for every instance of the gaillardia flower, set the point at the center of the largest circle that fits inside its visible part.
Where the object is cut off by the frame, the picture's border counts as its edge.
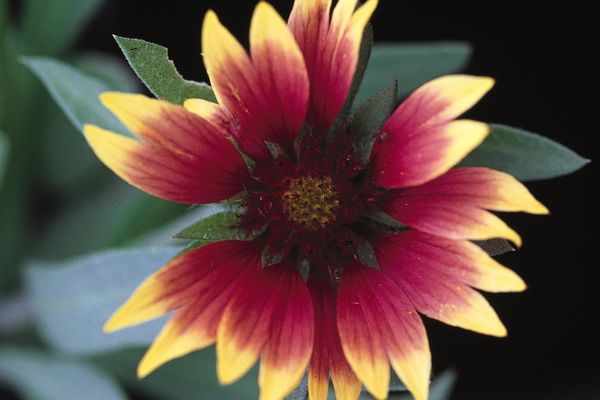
(319, 284)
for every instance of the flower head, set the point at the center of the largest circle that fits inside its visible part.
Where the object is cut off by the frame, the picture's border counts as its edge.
(338, 293)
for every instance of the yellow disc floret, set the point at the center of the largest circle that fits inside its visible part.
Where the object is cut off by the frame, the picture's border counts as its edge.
(310, 201)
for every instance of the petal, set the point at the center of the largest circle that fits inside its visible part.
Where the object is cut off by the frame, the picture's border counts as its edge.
(376, 323)
(331, 54)
(402, 158)
(254, 319)
(440, 100)
(328, 357)
(290, 344)
(449, 219)
(181, 157)
(439, 296)
(309, 23)
(478, 187)
(194, 326)
(459, 260)
(179, 281)
(268, 94)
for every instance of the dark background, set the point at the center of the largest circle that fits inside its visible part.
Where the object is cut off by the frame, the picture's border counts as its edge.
(541, 56)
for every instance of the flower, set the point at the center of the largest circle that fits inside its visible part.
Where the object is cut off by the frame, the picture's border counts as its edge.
(319, 284)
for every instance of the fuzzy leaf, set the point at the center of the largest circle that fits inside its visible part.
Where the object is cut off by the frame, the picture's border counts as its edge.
(75, 92)
(58, 136)
(220, 226)
(525, 155)
(369, 117)
(111, 70)
(412, 64)
(39, 376)
(70, 316)
(153, 66)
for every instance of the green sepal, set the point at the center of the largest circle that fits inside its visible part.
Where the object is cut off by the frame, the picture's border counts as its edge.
(219, 226)
(379, 220)
(368, 119)
(495, 247)
(525, 155)
(366, 254)
(152, 65)
(270, 257)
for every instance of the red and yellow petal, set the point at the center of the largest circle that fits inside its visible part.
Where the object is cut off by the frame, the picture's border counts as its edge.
(419, 142)
(458, 260)
(331, 50)
(377, 325)
(452, 220)
(435, 291)
(402, 159)
(479, 187)
(328, 358)
(267, 94)
(438, 101)
(263, 316)
(200, 276)
(181, 157)
(290, 343)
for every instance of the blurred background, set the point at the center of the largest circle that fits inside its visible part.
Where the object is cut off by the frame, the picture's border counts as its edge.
(58, 201)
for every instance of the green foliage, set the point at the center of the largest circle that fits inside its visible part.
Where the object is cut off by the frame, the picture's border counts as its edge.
(4, 148)
(368, 119)
(152, 65)
(192, 377)
(70, 316)
(75, 92)
(411, 64)
(39, 376)
(526, 156)
(50, 27)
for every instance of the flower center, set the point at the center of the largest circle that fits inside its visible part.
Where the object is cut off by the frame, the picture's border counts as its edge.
(310, 202)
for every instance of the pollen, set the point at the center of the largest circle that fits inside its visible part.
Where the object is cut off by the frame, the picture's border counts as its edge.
(310, 202)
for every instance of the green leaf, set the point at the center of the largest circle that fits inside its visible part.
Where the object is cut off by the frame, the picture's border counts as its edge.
(153, 66)
(109, 69)
(366, 254)
(495, 247)
(412, 64)
(114, 215)
(3, 156)
(70, 316)
(220, 226)
(49, 27)
(39, 376)
(526, 156)
(75, 92)
(192, 377)
(379, 220)
(368, 119)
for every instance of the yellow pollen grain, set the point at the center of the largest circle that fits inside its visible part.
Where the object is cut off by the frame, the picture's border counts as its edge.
(310, 201)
